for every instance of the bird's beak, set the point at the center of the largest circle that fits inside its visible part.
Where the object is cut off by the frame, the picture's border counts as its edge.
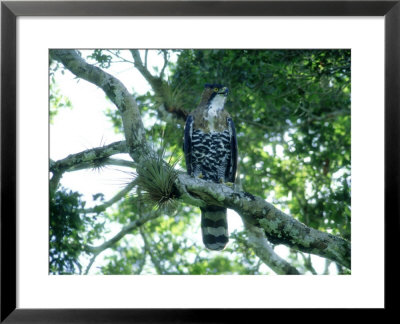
(224, 91)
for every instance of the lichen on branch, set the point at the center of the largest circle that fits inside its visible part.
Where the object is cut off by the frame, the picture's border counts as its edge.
(255, 211)
(118, 94)
(278, 226)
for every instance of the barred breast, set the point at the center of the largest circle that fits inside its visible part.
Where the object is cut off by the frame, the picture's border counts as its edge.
(210, 155)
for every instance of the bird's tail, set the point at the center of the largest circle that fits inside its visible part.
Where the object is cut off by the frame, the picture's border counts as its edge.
(214, 227)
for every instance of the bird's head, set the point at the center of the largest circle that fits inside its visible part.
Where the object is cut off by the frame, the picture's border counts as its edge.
(214, 92)
(216, 89)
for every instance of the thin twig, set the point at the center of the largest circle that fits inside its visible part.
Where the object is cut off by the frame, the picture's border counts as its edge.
(125, 230)
(124, 60)
(154, 260)
(165, 63)
(86, 159)
(91, 263)
(307, 263)
(146, 52)
(259, 243)
(113, 200)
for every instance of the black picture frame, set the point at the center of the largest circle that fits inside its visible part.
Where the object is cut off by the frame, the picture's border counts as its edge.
(11, 10)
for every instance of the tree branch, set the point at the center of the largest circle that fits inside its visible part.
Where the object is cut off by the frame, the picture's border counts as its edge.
(165, 53)
(91, 263)
(88, 158)
(258, 242)
(327, 264)
(279, 227)
(308, 264)
(54, 181)
(92, 158)
(113, 200)
(125, 230)
(155, 82)
(123, 163)
(123, 60)
(146, 52)
(148, 249)
(161, 89)
(118, 94)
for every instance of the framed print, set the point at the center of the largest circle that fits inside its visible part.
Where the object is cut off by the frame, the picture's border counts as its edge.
(296, 130)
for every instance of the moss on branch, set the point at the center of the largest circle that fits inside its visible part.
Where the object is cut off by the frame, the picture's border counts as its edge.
(278, 226)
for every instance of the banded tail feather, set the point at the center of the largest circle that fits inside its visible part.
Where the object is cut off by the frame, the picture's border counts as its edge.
(214, 227)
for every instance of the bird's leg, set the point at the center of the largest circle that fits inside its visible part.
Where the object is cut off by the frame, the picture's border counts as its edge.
(229, 184)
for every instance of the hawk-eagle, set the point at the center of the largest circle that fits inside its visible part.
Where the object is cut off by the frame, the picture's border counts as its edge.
(210, 148)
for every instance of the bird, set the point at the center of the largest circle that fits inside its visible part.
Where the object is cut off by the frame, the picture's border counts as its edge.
(211, 153)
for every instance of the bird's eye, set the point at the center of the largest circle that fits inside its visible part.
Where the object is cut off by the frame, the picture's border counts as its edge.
(216, 89)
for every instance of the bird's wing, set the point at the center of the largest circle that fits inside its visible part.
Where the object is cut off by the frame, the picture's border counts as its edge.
(232, 168)
(187, 143)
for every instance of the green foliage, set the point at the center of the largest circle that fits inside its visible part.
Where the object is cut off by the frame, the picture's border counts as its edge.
(156, 181)
(64, 234)
(56, 98)
(115, 117)
(292, 115)
(291, 109)
(127, 261)
(103, 60)
(69, 232)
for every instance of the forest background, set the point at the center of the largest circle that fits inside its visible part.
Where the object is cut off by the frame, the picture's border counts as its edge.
(292, 114)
